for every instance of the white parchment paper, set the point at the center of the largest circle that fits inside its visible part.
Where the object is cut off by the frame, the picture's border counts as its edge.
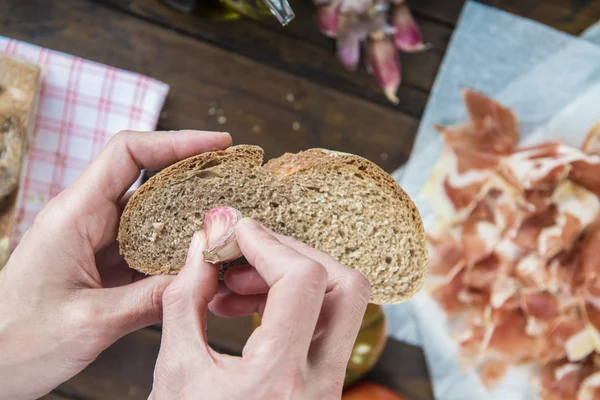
(552, 81)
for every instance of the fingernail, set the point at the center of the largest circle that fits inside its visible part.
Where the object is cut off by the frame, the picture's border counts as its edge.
(250, 224)
(196, 247)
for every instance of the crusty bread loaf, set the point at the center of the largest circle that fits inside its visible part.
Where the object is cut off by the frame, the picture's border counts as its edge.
(19, 90)
(341, 204)
(19, 84)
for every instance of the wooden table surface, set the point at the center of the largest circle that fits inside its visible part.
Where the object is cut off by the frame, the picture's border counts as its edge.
(250, 71)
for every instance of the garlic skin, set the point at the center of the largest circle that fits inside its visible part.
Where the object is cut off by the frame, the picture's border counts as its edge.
(348, 49)
(219, 227)
(407, 37)
(357, 24)
(384, 62)
(328, 19)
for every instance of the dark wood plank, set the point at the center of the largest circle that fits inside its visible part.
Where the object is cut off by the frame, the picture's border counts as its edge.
(571, 16)
(300, 48)
(124, 371)
(444, 11)
(56, 396)
(403, 367)
(228, 335)
(418, 70)
(252, 97)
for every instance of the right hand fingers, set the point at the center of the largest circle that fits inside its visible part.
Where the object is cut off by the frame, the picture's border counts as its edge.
(246, 280)
(346, 299)
(297, 288)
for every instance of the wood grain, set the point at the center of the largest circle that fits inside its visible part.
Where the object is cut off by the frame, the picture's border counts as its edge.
(301, 48)
(245, 72)
(55, 396)
(252, 98)
(124, 370)
(571, 16)
(403, 367)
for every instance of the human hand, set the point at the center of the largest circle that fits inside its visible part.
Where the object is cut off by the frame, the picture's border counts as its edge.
(311, 307)
(66, 294)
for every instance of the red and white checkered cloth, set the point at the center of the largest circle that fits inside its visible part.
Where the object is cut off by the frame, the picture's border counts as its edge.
(82, 104)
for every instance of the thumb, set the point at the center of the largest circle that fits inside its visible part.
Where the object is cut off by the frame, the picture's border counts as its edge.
(185, 301)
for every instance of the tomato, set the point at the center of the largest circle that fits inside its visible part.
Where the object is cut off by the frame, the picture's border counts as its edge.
(370, 391)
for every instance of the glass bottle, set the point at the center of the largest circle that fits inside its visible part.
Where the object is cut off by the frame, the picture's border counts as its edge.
(233, 9)
(368, 346)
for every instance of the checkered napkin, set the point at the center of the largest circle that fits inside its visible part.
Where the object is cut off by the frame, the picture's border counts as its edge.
(82, 105)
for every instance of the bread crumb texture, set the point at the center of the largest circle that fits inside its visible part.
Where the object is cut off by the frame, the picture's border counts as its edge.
(342, 204)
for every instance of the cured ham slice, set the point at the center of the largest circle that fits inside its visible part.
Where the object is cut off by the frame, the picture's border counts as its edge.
(479, 234)
(492, 371)
(518, 251)
(540, 305)
(552, 348)
(444, 253)
(491, 128)
(561, 381)
(576, 209)
(541, 167)
(590, 388)
(591, 145)
(482, 274)
(447, 293)
(531, 271)
(590, 263)
(528, 232)
(510, 339)
(587, 174)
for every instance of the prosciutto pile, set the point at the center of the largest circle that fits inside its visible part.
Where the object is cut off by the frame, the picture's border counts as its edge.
(515, 254)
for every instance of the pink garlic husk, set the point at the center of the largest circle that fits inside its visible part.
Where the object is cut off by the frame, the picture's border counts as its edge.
(407, 35)
(328, 19)
(348, 48)
(383, 60)
(219, 227)
(354, 31)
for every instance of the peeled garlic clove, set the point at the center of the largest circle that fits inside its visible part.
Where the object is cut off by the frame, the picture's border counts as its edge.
(219, 227)
(408, 35)
(382, 57)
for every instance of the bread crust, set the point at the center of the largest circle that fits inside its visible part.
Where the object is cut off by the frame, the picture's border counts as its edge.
(19, 89)
(286, 167)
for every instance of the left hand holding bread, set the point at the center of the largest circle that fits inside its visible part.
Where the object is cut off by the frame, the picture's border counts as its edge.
(66, 294)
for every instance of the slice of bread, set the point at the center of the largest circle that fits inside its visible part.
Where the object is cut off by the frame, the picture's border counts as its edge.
(341, 204)
(20, 84)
